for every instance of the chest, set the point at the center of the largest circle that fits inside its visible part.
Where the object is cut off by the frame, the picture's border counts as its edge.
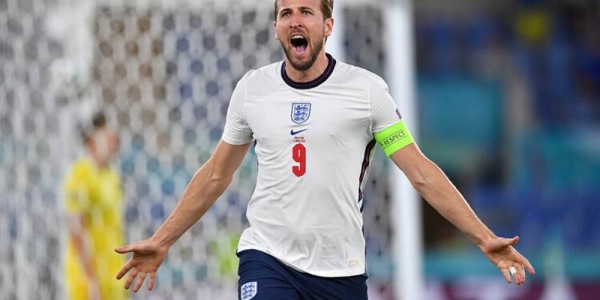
(105, 190)
(320, 116)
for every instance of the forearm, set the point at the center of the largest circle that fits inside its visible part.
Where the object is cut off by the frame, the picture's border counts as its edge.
(443, 196)
(200, 194)
(80, 244)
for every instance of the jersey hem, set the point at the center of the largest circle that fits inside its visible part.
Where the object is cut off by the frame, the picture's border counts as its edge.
(327, 274)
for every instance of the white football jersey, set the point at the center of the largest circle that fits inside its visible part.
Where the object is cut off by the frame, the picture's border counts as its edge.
(314, 143)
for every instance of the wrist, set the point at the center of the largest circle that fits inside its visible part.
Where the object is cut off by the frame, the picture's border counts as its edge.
(483, 238)
(161, 241)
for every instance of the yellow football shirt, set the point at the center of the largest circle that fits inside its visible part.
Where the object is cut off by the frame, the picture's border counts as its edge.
(95, 194)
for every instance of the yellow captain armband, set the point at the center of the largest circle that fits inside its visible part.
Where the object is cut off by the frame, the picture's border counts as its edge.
(394, 138)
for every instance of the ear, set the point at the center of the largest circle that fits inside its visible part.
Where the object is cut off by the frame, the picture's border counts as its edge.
(328, 27)
(275, 26)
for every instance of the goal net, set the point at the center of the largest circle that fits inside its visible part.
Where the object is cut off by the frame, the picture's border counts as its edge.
(163, 73)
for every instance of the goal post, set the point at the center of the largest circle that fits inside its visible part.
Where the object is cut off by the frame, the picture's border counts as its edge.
(407, 221)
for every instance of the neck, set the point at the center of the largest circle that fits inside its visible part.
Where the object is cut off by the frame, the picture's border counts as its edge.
(312, 73)
(97, 159)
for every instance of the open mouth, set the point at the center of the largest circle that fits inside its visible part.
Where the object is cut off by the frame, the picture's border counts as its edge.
(299, 43)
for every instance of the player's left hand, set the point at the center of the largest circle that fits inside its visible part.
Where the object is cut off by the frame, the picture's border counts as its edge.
(502, 253)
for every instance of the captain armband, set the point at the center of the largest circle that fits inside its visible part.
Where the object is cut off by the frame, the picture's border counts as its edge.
(394, 138)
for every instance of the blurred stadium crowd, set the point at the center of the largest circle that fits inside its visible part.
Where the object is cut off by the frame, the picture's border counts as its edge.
(509, 104)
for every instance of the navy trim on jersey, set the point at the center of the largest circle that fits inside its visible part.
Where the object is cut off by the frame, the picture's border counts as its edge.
(313, 83)
(365, 166)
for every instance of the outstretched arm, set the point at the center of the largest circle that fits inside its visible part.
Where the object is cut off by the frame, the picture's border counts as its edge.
(206, 186)
(209, 182)
(429, 180)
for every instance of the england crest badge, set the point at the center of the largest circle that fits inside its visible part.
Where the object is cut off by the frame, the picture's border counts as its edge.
(300, 112)
(248, 290)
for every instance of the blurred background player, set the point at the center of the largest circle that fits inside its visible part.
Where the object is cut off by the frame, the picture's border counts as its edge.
(94, 202)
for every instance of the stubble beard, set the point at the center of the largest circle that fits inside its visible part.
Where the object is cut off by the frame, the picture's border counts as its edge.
(304, 66)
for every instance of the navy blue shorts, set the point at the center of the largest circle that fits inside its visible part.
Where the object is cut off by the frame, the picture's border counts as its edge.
(262, 277)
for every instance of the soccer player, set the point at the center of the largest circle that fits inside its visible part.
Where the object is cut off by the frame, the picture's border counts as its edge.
(315, 123)
(93, 201)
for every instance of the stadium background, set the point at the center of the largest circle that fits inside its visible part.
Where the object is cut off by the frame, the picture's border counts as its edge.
(508, 96)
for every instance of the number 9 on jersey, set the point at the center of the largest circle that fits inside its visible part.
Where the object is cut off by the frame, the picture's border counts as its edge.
(299, 156)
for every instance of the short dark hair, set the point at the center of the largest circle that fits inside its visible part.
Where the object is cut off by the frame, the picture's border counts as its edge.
(326, 9)
(97, 122)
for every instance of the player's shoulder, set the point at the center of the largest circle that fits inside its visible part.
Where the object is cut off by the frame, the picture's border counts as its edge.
(81, 166)
(351, 73)
(262, 74)
(79, 171)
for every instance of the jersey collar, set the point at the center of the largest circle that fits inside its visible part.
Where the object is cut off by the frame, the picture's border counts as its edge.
(313, 83)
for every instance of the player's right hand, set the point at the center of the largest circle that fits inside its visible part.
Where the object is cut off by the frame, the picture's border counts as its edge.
(147, 257)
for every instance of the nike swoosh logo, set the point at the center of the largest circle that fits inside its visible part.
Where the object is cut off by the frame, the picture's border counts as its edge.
(292, 132)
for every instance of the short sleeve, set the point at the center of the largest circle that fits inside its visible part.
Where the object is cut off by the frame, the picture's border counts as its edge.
(388, 128)
(384, 112)
(76, 189)
(237, 131)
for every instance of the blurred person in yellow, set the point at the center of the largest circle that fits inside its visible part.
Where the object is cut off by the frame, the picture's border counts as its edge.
(94, 202)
